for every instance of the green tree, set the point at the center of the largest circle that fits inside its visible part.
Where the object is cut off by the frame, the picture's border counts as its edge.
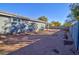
(74, 11)
(54, 23)
(67, 24)
(43, 18)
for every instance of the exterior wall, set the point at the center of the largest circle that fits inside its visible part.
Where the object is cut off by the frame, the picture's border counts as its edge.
(40, 26)
(74, 33)
(17, 25)
(3, 23)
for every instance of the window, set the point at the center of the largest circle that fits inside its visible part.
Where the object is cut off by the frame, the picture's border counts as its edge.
(18, 20)
(13, 23)
(14, 19)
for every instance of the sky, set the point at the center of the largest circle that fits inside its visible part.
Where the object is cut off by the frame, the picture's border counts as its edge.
(53, 11)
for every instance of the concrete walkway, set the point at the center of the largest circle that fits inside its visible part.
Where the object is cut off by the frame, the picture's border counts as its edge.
(47, 45)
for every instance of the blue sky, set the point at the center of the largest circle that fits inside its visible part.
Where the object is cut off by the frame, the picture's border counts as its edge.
(54, 11)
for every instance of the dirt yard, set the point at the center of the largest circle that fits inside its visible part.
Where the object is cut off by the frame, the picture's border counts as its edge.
(43, 43)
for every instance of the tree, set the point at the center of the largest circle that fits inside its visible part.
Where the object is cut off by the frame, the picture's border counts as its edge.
(43, 18)
(54, 23)
(67, 24)
(74, 11)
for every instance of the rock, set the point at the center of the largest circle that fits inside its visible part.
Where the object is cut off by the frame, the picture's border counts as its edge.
(11, 41)
(1, 42)
(24, 39)
(56, 51)
(3, 37)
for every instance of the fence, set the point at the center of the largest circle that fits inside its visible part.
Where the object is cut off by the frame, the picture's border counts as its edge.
(74, 30)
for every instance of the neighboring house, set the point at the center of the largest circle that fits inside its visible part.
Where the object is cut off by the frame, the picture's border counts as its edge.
(12, 23)
(74, 31)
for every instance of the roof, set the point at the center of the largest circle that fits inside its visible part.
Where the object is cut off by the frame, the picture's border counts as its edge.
(3, 13)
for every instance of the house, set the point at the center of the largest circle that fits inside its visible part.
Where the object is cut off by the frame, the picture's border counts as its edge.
(13, 23)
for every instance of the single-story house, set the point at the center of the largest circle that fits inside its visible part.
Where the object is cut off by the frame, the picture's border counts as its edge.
(13, 23)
